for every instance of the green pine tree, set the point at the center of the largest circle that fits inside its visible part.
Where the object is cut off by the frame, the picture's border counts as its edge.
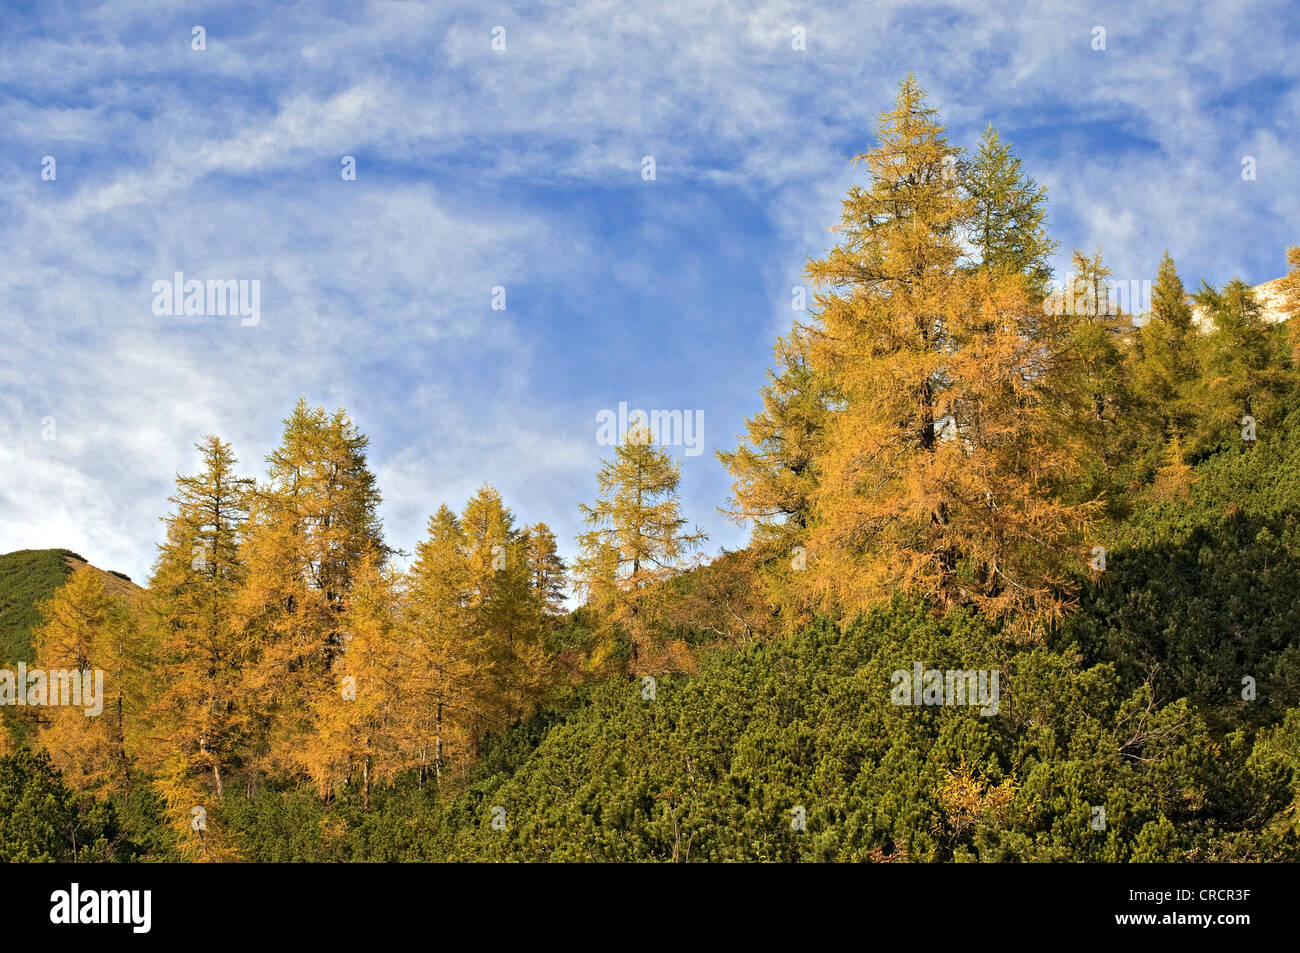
(1008, 219)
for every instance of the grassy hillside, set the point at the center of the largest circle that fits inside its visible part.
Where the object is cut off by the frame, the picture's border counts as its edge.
(29, 577)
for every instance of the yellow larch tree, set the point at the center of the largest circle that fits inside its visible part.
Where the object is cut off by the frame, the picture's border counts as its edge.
(452, 669)
(637, 541)
(942, 443)
(85, 629)
(310, 529)
(357, 731)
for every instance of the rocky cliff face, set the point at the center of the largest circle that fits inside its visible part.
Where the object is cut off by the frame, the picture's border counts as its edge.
(1269, 295)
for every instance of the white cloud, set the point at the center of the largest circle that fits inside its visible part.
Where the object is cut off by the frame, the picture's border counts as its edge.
(225, 163)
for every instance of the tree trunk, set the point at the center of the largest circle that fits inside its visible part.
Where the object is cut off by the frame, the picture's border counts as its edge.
(437, 744)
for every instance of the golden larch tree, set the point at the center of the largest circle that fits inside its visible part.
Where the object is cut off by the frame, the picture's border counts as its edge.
(85, 629)
(942, 445)
(638, 539)
(310, 529)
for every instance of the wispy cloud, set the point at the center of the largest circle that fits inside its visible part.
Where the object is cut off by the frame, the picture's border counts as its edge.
(522, 168)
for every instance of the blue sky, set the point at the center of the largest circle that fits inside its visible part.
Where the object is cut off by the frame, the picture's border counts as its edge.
(522, 168)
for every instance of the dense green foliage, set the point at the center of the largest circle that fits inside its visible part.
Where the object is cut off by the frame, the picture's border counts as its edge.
(41, 819)
(713, 766)
(711, 769)
(1199, 594)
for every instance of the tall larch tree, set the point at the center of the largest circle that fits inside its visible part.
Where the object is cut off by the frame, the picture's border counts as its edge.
(84, 628)
(546, 570)
(1008, 214)
(775, 474)
(936, 471)
(1102, 404)
(310, 528)
(358, 731)
(1164, 356)
(638, 538)
(504, 610)
(452, 673)
(196, 721)
(196, 578)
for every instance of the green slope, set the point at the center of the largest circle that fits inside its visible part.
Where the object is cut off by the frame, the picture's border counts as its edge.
(716, 767)
(27, 578)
